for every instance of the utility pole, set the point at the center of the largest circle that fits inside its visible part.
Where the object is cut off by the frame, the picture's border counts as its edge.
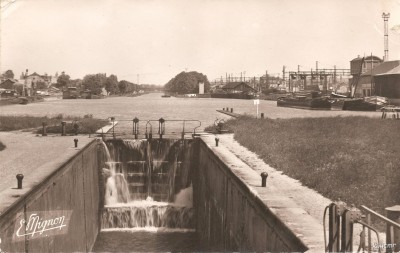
(284, 74)
(334, 74)
(386, 36)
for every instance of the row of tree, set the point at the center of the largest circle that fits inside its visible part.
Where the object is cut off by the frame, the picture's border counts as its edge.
(187, 82)
(93, 82)
(97, 82)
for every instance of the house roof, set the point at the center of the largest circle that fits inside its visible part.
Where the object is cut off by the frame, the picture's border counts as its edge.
(382, 68)
(367, 58)
(10, 80)
(233, 85)
(34, 74)
(394, 71)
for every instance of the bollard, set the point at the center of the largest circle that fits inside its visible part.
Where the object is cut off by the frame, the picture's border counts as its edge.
(76, 143)
(63, 132)
(223, 109)
(227, 109)
(231, 110)
(19, 178)
(264, 176)
(216, 142)
(44, 133)
(393, 234)
(113, 126)
(262, 115)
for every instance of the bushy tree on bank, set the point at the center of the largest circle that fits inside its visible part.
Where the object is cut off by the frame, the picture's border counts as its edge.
(127, 87)
(8, 74)
(63, 80)
(95, 83)
(187, 82)
(112, 84)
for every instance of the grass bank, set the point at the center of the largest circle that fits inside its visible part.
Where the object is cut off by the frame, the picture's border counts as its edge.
(83, 125)
(352, 158)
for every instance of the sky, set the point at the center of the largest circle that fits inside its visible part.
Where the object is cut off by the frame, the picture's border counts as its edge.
(151, 41)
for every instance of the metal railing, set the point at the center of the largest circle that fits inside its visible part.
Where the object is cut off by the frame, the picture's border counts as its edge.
(341, 223)
(148, 134)
(390, 228)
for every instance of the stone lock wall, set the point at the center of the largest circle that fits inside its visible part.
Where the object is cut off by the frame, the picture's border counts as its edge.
(73, 186)
(230, 217)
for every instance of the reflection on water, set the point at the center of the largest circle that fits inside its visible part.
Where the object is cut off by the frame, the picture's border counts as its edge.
(145, 241)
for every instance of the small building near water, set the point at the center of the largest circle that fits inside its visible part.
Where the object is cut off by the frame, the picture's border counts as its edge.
(238, 87)
(366, 85)
(388, 85)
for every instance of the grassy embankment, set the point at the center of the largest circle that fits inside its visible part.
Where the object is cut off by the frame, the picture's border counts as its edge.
(85, 125)
(352, 158)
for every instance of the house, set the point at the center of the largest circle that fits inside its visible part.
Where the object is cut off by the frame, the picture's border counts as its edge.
(238, 87)
(388, 85)
(10, 84)
(366, 83)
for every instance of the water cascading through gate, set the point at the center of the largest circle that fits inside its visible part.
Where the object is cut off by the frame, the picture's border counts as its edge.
(147, 185)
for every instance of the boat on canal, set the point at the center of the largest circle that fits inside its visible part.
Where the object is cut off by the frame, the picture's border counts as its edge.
(305, 100)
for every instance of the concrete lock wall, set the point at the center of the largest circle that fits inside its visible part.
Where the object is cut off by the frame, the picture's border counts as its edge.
(74, 186)
(232, 218)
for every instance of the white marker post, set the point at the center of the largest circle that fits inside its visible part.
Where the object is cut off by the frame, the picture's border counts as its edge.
(256, 103)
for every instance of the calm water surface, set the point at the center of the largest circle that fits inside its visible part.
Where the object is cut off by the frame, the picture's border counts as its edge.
(153, 106)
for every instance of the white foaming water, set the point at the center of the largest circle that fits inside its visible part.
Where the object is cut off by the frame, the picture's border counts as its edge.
(108, 156)
(139, 203)
(184, 197)
(117, 190)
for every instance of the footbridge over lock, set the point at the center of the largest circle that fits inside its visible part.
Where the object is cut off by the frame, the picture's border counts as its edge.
(166, 182)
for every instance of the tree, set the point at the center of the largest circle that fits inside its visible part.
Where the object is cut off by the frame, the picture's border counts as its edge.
(112, 84)
(123, 86)
(63, 80)
(187, 82)
(9, 74)
(95, 83)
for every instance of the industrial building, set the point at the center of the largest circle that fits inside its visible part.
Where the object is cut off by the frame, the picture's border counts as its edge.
(366, 85)
(388, 84)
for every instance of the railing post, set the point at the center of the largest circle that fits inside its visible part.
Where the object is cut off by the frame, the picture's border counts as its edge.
(63, 131)
(136, 127)
(369, 232)
(392, 234)
(161, 127)
(113, 126)
(44, 133)
(334, 232)
(347, 232)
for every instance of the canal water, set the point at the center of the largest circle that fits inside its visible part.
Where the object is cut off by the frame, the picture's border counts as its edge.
(150, 236)
(153, 106)
(148, 197)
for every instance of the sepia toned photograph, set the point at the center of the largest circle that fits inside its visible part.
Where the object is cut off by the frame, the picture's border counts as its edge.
(199, 126)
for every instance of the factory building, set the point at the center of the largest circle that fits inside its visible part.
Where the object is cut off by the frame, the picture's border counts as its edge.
(388, 85)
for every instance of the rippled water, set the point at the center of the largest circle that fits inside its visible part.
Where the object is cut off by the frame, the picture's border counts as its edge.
(146, 241)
